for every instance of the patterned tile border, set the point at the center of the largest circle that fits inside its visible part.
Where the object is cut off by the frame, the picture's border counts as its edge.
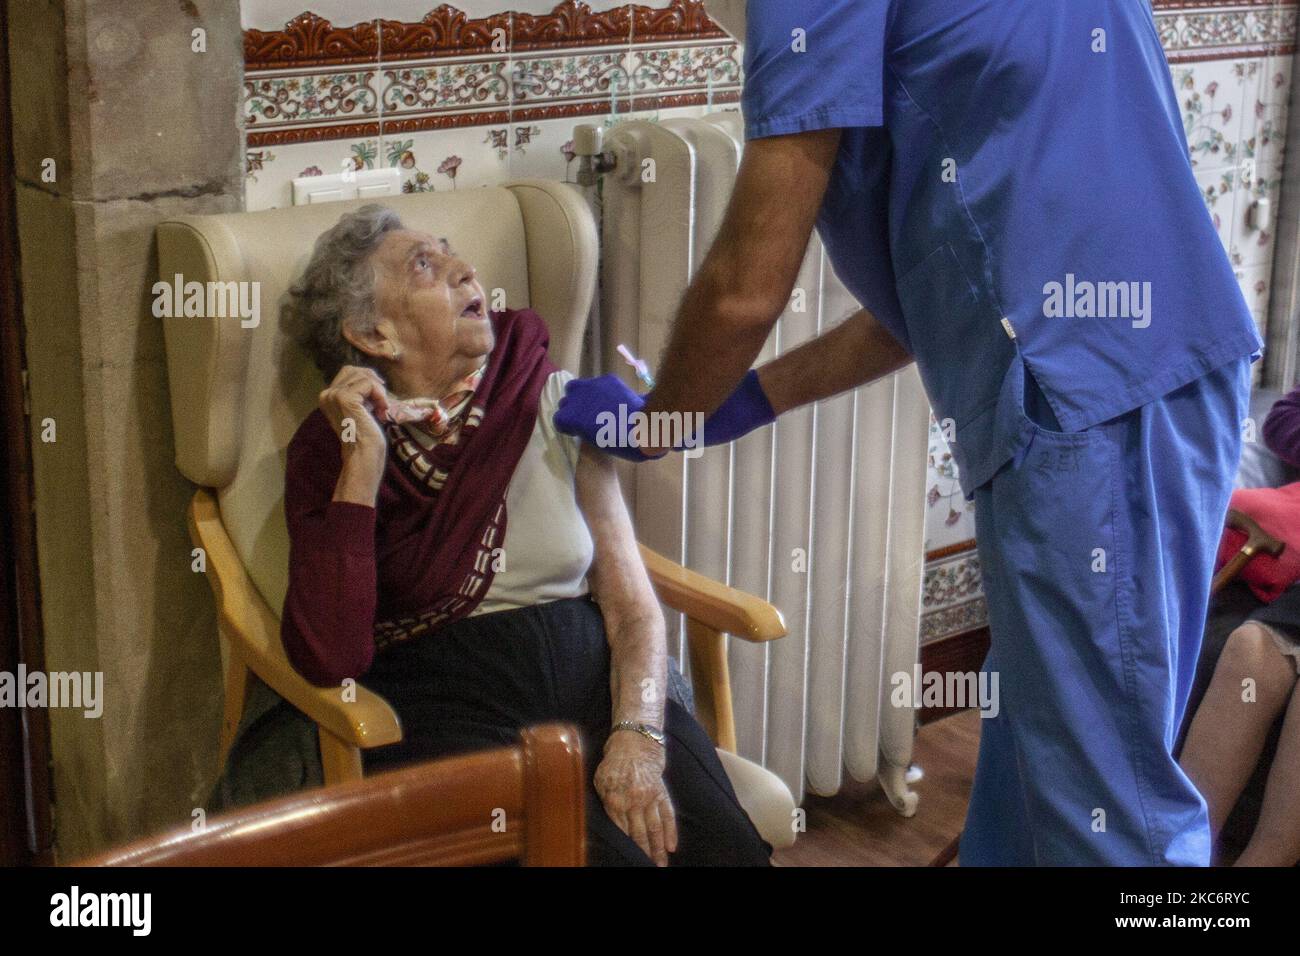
(309, 82)
(313, 81)
(1212, 4)
(1188, 29)
(447, 31)
(311, 41)
(1206, 30)
(952, 597)
(299, 106)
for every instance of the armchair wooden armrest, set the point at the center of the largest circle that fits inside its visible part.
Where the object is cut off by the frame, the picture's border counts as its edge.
(253, 632)
(712, 611)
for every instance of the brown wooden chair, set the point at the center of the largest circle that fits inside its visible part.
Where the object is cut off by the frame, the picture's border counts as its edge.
(515, 803)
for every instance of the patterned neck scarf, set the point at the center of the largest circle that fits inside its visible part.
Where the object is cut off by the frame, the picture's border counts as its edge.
(418, 425)
(439, 418)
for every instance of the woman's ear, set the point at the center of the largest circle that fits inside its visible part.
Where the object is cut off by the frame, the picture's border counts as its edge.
(379, 341)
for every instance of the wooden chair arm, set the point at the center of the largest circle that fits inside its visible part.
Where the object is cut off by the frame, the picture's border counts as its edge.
(254, 632)
(712, 603)
(712, 611)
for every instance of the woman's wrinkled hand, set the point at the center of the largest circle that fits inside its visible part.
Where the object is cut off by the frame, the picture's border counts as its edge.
(355, 402)
(630, 782)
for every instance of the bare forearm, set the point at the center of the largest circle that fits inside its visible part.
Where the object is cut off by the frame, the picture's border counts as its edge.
(638, 671)
(857, 351)
(745, 280)
(634, 624)
(360, 478)
(709, 352)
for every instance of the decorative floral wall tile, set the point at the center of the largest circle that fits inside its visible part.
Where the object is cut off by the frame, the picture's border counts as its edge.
(950, 519)
(270, 170)
(1219, 190)
(545, 83)
(1212, 97)
(430, 89)
(446, 159)
(671, 74)
(278, 101)
(542, 150)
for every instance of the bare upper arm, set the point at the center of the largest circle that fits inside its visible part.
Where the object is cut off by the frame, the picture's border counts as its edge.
(618, 577)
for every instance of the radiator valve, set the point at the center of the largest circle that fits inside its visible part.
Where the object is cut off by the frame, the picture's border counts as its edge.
(593, 160)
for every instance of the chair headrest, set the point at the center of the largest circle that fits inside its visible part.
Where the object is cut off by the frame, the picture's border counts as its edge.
(239, 390)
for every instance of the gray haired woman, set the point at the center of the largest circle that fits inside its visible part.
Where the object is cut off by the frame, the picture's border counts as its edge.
(469, 563)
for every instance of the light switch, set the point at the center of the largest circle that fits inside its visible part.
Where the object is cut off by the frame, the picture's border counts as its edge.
(358, 184)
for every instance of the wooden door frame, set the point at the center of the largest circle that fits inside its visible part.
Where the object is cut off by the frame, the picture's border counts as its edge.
(26, 830)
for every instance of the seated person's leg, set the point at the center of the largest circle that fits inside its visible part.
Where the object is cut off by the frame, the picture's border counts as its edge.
(1227, 734)
(472, 686)
(1276, 840)
(713, 829)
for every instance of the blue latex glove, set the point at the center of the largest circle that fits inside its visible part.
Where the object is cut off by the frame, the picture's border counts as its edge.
(744, 410)
(590, 411)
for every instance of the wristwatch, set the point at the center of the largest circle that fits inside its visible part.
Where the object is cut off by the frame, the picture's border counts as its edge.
(645, 730)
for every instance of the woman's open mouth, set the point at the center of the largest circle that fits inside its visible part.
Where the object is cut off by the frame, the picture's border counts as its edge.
(474, 309)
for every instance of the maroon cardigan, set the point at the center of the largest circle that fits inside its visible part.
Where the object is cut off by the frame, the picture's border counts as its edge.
(358, 573)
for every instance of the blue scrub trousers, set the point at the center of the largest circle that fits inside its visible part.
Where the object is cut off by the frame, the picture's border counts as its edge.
(1097, 549)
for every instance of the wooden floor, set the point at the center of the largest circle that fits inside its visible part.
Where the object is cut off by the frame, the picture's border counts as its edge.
(859, 827)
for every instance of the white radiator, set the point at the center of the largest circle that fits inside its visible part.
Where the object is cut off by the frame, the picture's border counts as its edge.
(841, 483)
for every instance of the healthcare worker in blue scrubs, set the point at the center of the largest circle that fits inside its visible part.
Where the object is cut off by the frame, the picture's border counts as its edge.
(1004, 185)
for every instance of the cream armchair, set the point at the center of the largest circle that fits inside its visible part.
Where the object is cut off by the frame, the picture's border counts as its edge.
(240, 387)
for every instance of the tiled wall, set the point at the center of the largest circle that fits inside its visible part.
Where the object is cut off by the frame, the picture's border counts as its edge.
(464, 97)
(459, 97)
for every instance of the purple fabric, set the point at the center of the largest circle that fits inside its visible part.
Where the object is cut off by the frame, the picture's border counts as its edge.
(1281, 431)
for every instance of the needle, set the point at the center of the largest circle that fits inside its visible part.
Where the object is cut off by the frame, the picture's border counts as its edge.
(638, 365)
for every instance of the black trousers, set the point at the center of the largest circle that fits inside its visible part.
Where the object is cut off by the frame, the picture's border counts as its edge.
(476, 683)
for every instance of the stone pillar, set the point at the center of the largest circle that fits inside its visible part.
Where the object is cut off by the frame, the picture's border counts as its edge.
(139, 127)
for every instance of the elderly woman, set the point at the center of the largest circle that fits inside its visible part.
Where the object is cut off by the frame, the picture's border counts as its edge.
(469, 563)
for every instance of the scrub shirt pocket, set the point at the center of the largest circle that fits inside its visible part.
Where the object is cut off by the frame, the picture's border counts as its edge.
(1058, 494)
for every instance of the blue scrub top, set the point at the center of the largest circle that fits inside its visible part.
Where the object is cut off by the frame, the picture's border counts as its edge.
(1013, 184)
